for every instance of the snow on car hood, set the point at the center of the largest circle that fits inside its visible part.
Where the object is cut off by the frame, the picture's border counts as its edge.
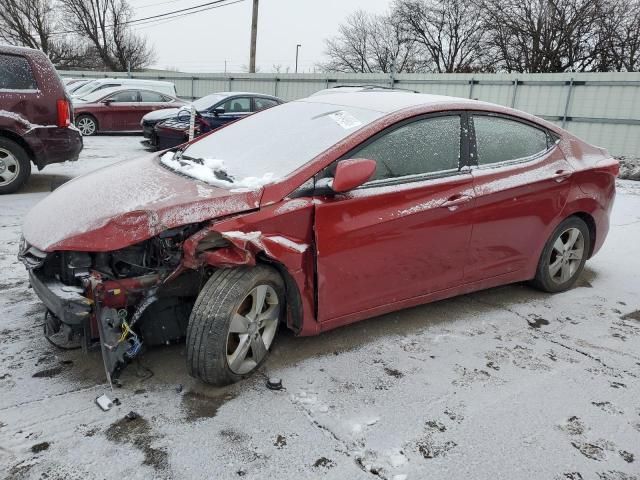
(124, 204)
(162, 114)
(213, 172)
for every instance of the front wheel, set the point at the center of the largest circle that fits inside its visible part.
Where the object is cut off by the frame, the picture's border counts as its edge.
(233, 323)
(564, 256)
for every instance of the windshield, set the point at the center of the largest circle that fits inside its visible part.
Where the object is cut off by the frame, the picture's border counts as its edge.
(207, 101)
(86, 88)
(269, 145)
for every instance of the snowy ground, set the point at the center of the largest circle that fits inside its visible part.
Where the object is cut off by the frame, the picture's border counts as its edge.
(506, 383)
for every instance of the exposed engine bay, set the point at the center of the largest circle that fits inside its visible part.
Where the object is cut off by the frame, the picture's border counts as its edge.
(122, 300)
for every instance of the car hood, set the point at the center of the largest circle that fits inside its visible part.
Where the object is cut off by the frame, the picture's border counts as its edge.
(124, 204)
(162, 114)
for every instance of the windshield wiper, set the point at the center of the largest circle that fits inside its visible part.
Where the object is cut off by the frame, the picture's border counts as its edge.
(219, 173)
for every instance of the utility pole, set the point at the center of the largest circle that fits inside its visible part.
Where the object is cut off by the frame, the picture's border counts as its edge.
(254, 35)
(297, 49)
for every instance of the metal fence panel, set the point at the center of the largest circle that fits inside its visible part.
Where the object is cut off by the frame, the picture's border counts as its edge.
(602, 108)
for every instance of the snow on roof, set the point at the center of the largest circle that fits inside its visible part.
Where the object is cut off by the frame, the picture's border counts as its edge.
(385, 102)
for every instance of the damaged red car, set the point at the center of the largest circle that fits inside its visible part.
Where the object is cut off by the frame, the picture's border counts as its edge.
(309, 216)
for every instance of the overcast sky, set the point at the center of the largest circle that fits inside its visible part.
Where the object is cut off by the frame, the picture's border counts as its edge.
(202, 42)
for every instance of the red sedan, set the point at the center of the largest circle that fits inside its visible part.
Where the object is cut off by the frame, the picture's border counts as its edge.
(312, 215)
(118, 109)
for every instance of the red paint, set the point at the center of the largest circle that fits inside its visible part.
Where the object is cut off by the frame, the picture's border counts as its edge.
(122, 116)
(39, 119)
(352, 173)
(364, 252)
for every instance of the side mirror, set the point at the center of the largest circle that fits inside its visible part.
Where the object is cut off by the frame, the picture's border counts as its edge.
(218, 111)
(184, 115)
(352, 173)
(107, 102)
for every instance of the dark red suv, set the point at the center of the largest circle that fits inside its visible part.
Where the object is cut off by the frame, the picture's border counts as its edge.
(36, 117)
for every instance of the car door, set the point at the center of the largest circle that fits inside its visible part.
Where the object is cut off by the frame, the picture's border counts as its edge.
(122, 111)
(404, 233)
(150, 101)
(521, 183)
(234, 108)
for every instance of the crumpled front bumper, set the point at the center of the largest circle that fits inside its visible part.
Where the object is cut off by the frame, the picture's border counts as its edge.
(65, 302)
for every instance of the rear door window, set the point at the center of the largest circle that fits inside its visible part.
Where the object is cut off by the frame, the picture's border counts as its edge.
(264, 103)
(16, 73)
(147, 96)
(500, 139)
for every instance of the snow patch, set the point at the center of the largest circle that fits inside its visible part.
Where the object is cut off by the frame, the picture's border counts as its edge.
(299, 247)
(213, 172)
(246, 236)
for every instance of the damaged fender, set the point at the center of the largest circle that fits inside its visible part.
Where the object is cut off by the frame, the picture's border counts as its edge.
(232, 248)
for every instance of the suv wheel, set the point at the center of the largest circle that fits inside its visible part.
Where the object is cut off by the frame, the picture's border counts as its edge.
(87, 125)
(15, 166)
(233, 323)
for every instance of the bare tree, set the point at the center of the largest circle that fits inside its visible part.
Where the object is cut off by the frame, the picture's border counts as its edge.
(543, 35)
(618, 31)
(368, 43)
(105, 24)
(450, 32)
(32, 23)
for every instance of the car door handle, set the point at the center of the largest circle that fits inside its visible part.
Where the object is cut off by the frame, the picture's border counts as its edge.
(561, 175)
(452, 203)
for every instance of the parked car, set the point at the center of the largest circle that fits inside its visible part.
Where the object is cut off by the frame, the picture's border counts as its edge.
(213, 111)
(166, 88)
(36, 117)
(118, 109)
(75, 84)
(315, 214)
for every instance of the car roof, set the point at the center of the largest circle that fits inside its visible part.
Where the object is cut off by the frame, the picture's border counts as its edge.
(253, 94)
(124, 88)
(386, 101)
(11, 49)
(360, 88)
(132, 81)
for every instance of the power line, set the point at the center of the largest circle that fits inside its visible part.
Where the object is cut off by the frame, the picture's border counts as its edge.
(163, 16)
(160, 21)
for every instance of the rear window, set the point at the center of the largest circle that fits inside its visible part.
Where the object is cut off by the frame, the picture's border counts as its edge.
(500, 139)
(151, 96)
(16, 74)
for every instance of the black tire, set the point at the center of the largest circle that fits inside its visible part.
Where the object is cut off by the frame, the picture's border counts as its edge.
(544, 280)
(15, 166)
(223, 295)
(90, 120)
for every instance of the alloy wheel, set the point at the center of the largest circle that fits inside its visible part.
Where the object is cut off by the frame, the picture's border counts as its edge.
(252, 329)
(86, 126)
(566, 255)
(9, 167)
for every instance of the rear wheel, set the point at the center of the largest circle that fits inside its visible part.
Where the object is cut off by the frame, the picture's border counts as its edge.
(564, 256)
(15, 166)
(87, 125)
(233, 323)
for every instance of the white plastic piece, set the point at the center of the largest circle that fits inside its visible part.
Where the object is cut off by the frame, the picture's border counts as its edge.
(104, 402)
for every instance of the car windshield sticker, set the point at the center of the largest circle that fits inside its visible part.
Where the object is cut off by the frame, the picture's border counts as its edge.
(345, 119)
